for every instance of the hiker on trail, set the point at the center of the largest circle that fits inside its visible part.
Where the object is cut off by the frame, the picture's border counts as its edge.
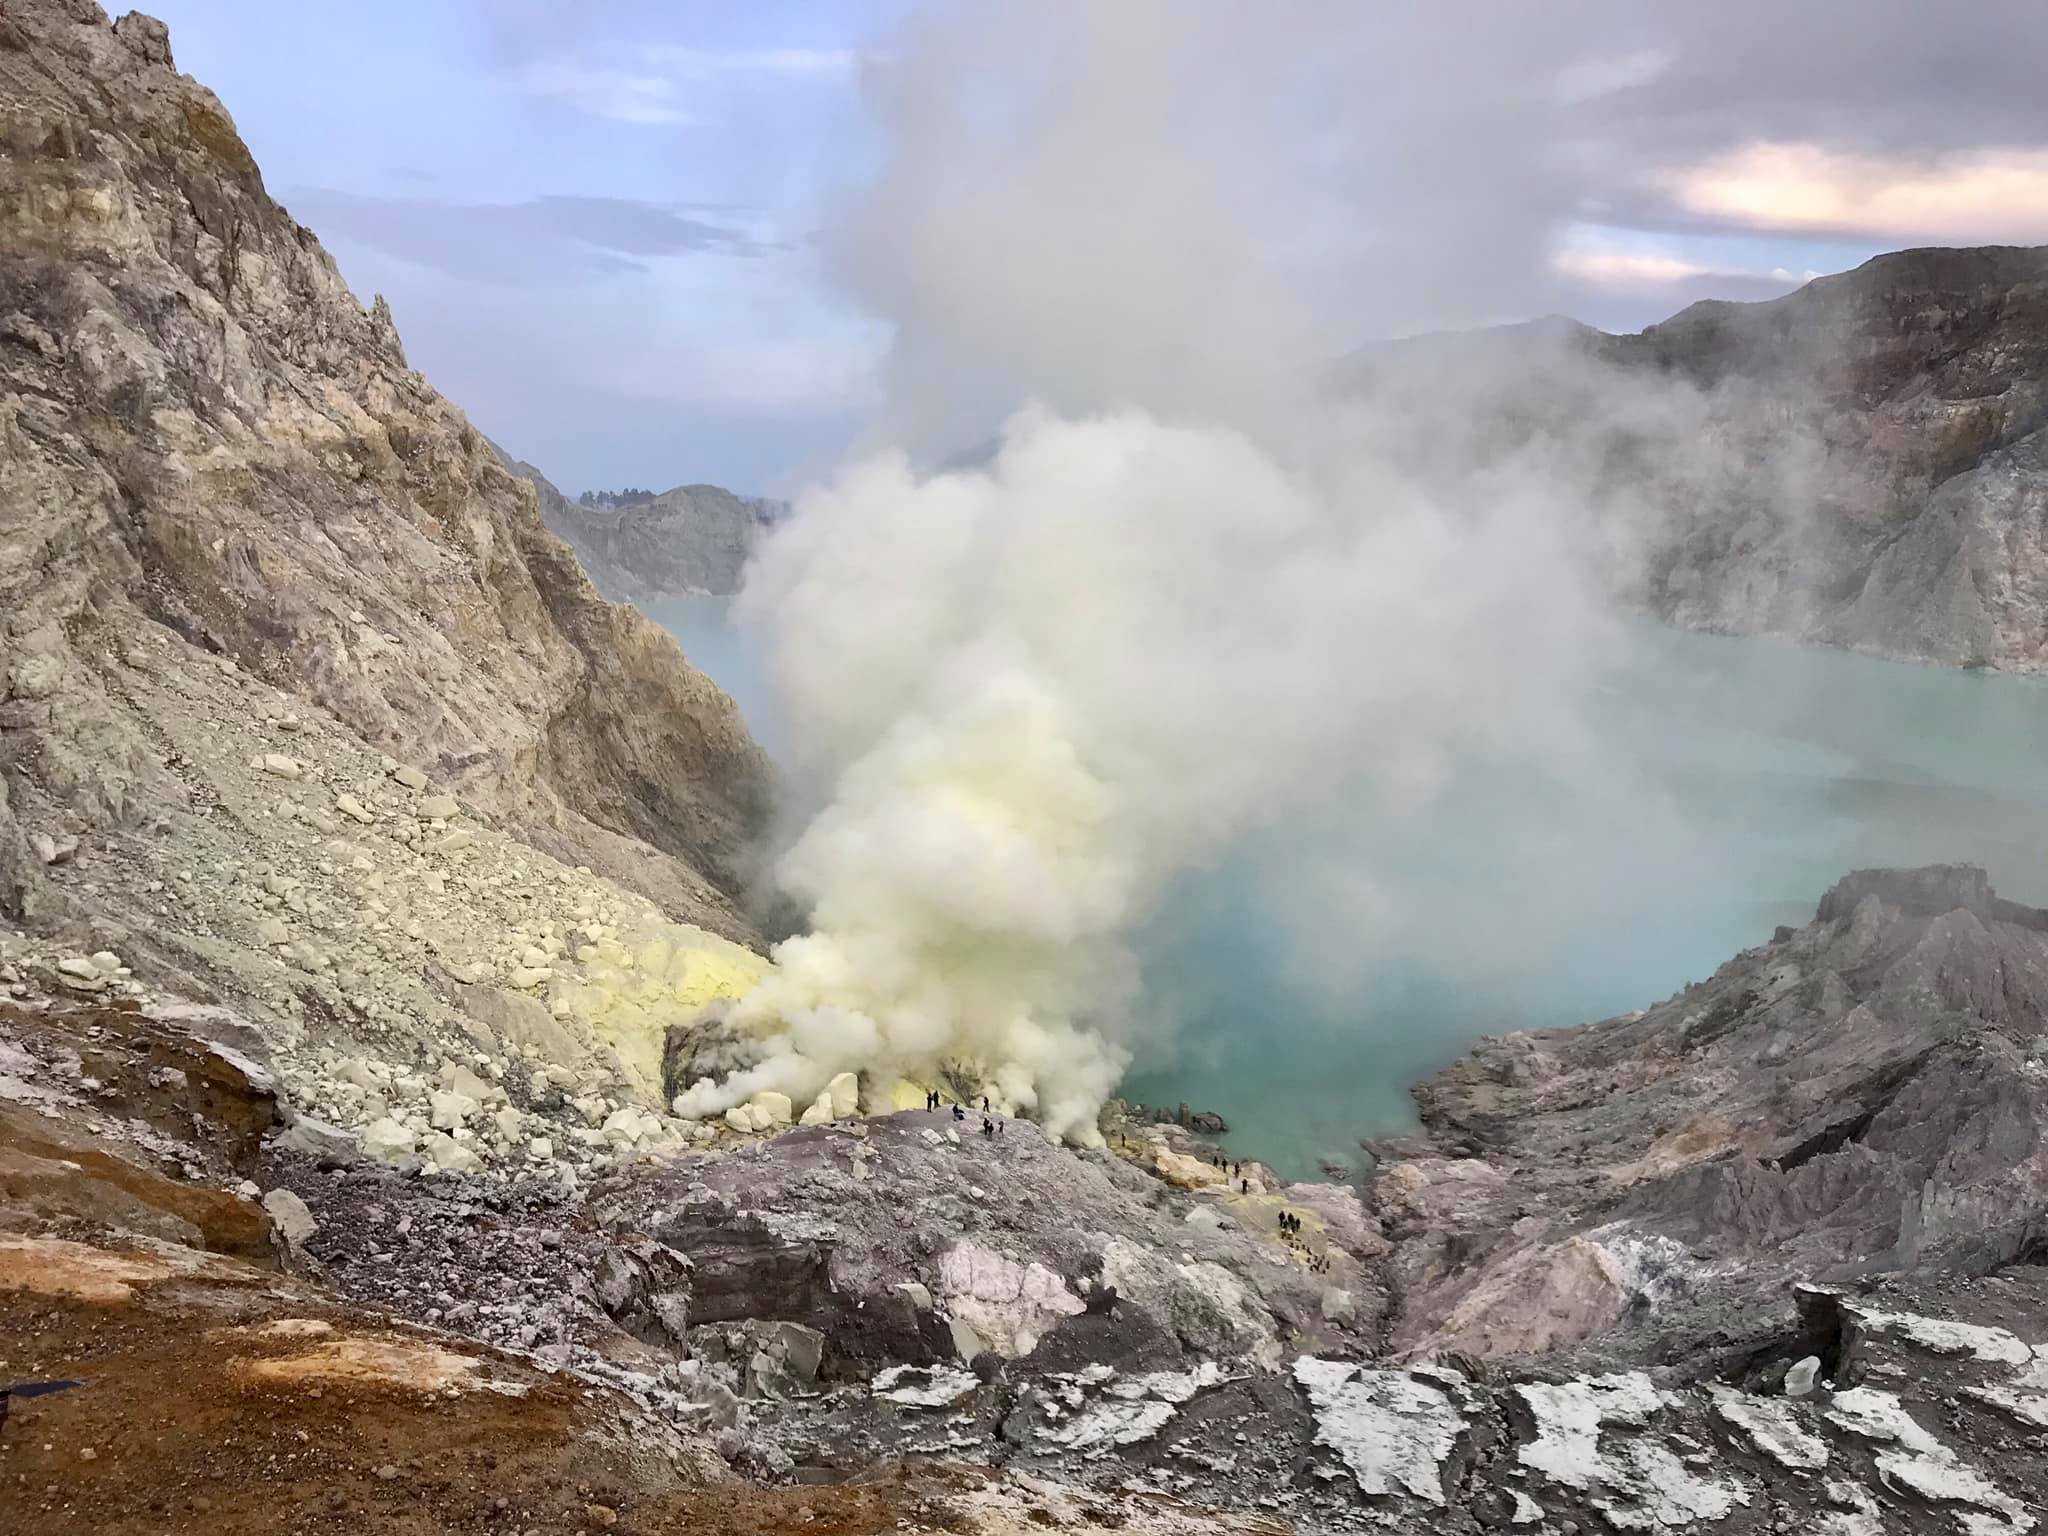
(984, 1103)
(1244, 1186)
(959, 1113)
(1237, 1170)
(988, 1126)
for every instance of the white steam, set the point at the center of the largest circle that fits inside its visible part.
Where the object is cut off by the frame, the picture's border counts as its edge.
(1041, 689)
(1186, 597)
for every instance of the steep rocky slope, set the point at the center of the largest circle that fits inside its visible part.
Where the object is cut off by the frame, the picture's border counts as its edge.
(692, 539)
(207, 444)
(1917, 531)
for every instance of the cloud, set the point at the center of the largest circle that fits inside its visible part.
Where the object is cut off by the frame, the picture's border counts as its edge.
(1610, 260)
(550, 241)
(666, 84)
(638, 381)
(618, 94)
(1988, 196)
(1625, 269)
(1599, 75)
(787, 63)
(825, 372)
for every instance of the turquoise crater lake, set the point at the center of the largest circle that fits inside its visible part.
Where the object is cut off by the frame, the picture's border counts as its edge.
(1756, 773)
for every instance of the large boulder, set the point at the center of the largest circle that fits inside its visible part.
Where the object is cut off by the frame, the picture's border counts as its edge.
(644, 1286)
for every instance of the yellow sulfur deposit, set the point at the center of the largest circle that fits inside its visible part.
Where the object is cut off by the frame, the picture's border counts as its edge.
(631, 992)
(904, 1094)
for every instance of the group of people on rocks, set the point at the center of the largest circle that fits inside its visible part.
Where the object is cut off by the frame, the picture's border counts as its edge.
(1290, 1234)
(1290, 1224)
(990, 1125)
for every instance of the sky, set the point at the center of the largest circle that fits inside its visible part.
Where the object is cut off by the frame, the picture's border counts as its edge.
(618, 233)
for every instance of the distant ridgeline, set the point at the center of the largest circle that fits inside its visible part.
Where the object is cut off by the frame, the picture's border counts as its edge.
(640, 545)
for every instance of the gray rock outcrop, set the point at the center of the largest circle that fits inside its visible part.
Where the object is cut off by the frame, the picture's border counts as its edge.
(1862, 1097)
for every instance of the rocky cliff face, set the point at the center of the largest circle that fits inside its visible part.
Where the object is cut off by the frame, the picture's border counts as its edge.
(210, 452)
(693, 539)
(1921, 381)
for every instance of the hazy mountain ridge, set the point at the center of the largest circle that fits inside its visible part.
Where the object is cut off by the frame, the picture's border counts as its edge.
(1923, 375)
(683, 541)
(1861, 463)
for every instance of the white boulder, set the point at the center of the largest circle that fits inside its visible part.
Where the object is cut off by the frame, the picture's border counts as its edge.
(460, 1079)
(771, 1108)
(845, 1092)
(387, 1139)
(629, 1124)
(291, 1219)
(447, 1154)
(448, 1110)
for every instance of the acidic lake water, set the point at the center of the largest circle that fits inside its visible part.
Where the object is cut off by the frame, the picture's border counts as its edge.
(1746, 777)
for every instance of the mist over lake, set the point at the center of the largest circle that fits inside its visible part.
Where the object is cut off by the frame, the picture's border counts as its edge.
(1755, 774)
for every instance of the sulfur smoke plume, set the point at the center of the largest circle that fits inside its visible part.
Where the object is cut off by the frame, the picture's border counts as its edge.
(1191, 590)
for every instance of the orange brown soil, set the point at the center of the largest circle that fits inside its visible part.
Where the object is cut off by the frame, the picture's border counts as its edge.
(240, 1402)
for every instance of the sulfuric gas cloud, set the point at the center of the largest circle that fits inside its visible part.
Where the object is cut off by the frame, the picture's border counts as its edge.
(1127, 573)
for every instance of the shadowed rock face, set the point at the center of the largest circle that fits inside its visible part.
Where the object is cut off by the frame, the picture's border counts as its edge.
(203, 434)
(1862, 1097)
